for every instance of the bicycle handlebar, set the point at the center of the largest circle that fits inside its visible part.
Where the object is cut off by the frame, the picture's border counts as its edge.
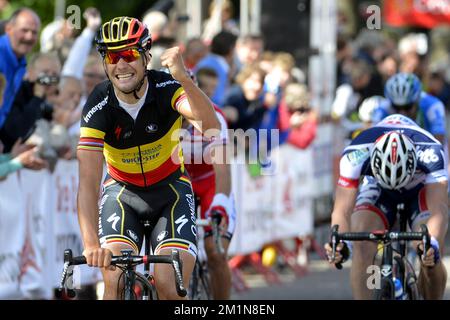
(130, 261)
(214, 223)
(385, 236)
(216, 218)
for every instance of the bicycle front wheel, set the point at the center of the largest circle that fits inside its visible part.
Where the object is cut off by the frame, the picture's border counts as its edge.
(147, 290)
(386, 291)
(199, 288)
(143, 289)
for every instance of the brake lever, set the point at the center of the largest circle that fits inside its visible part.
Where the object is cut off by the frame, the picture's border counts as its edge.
(334, 241)
(425, 239)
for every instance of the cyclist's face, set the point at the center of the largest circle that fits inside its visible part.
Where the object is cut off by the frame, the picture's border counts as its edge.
(126, 75)
(410, 112)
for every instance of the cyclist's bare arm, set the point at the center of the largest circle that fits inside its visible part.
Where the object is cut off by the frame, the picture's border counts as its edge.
(437, 202)
(221, 164)
(90, 175)
(222, 171)
(197, 109)
(343, 207)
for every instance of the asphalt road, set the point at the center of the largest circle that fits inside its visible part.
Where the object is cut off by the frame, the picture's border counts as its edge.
(320, 283)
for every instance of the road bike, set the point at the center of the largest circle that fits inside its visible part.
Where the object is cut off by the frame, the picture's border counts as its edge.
(394, 261)
(199, 286)
(137, 286)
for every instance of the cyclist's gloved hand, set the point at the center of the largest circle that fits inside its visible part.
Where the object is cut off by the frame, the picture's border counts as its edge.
(432, 257)
(219, 205)
(343, 252)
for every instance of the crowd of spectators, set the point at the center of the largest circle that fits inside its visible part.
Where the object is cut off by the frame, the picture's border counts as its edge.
(45, 87)
(367, 60)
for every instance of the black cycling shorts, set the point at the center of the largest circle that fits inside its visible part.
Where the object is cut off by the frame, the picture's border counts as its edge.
(373, 198)
(169, 206)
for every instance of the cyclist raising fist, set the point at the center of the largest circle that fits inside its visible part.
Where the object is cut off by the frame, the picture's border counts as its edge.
(131, 121)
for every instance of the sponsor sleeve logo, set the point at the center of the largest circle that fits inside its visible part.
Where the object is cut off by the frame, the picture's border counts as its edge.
(98, 106)
(348, 183)
(357, 157)
(166, 83)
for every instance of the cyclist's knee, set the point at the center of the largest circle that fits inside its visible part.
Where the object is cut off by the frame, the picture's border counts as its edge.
(365, 221)
(111, 278)
(164, 276)
(215, 259)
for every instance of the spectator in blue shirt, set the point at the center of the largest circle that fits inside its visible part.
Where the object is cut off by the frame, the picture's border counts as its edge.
(21, 35)
(220, 60)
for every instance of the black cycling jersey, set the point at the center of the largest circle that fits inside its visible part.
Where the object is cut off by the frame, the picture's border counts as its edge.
(138, 152)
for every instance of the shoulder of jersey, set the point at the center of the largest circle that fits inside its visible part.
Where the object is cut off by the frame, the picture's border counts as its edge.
(162, 79)
(220, 112)
(427, 100)
(97, 99)
(102, 87)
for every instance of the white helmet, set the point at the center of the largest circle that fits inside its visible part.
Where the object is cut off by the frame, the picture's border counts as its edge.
(393, 160)
(369, 105)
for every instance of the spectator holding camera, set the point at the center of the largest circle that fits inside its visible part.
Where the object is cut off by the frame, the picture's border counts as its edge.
(34, 100)
(297, 120)
(21, 36)
(21, 155)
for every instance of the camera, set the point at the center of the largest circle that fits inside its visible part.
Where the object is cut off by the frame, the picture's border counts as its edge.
(46, 111)
(47, 80)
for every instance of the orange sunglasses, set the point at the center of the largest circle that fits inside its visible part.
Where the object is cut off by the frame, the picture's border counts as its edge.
(129, 55)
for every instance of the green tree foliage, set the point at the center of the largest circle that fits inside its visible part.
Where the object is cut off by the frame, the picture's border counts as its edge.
(109, 9)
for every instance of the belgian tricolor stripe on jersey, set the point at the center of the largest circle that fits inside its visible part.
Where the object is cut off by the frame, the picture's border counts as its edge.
(178, 98)
(140, 165)
(91, 139)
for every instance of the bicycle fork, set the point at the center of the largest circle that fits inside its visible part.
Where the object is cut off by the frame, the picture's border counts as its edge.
(146, 292)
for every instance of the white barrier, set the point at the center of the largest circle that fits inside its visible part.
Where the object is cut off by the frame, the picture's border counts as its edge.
(273, 207)
(12, 237)
(38, 214)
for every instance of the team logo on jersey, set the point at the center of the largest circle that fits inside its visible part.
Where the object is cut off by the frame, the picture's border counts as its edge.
(181, 221)
(94, 109)
(117, 132)
(133, 235)
(427, 156)
(356, 157)
(127, 135)
(162, 235)
(151, 128)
